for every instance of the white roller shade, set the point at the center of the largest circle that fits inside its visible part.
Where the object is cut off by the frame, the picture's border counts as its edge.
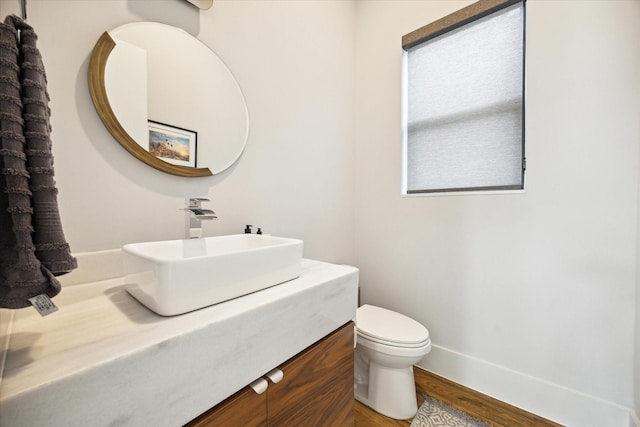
(464, 98)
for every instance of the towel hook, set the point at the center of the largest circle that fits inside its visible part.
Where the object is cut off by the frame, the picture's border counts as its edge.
(23, 4)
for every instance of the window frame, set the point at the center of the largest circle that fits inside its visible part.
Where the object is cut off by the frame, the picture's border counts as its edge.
(451, 22)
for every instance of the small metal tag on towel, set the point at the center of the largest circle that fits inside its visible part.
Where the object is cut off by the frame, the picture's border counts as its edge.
(43, 304)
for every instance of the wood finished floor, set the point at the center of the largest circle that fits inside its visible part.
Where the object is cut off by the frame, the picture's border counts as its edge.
(485, 408)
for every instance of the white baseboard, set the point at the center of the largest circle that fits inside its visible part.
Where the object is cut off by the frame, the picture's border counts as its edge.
(552, 401)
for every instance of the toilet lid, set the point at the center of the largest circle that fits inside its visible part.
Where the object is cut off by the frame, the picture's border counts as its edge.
(388, 326)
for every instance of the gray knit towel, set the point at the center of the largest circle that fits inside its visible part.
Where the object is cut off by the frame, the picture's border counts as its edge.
(33, 248)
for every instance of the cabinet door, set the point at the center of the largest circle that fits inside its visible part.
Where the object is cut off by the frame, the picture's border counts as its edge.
(246, 408)
(317, 387)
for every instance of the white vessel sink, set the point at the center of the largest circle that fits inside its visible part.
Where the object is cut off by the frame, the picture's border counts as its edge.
(176, 276)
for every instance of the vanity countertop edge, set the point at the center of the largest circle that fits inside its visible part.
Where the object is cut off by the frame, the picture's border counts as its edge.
(105, 359)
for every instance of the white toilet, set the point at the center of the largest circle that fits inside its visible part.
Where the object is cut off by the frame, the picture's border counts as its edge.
(388, 344)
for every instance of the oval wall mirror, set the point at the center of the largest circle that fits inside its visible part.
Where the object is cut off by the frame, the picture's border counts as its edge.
(160, 90)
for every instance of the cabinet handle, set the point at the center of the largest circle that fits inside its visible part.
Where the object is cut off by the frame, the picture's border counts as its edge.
(259, 386)
(275, 375)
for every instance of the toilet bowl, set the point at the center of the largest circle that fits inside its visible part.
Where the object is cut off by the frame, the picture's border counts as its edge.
(388, 344)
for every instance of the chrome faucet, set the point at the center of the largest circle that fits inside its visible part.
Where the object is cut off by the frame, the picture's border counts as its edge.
(194, 216)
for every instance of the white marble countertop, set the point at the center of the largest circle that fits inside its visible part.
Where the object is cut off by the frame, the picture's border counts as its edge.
(104, 359)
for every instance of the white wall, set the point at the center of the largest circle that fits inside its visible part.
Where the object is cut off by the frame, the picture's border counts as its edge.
(528, 297)
(294, 63)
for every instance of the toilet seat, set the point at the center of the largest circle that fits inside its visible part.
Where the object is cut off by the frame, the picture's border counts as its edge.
(386, 327)
(393, 343)
(395, 350)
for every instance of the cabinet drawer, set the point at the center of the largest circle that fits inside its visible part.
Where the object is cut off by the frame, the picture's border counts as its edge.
(245, 408)
(317, 387)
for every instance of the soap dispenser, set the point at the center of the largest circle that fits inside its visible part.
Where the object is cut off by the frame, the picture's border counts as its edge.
(247, 229)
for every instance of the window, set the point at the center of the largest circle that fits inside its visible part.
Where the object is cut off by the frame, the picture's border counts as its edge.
(463, 112)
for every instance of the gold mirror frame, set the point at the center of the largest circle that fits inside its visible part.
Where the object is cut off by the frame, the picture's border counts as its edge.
(97, 88)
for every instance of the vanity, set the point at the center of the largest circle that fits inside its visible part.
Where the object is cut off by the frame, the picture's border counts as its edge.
(105, 359)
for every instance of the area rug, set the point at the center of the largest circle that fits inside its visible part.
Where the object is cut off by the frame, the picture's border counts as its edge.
(434, 413)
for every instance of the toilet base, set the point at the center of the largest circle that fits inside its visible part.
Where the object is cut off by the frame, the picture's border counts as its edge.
(391, 391)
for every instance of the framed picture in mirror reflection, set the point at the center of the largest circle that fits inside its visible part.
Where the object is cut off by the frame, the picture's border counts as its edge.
(173, 144)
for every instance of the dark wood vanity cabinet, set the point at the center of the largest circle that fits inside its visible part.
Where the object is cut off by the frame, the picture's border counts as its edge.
(316, 390)
(245, 408)
(317, 387)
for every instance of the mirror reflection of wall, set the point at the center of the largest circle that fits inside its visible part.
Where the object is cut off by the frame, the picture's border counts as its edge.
(162, 74)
